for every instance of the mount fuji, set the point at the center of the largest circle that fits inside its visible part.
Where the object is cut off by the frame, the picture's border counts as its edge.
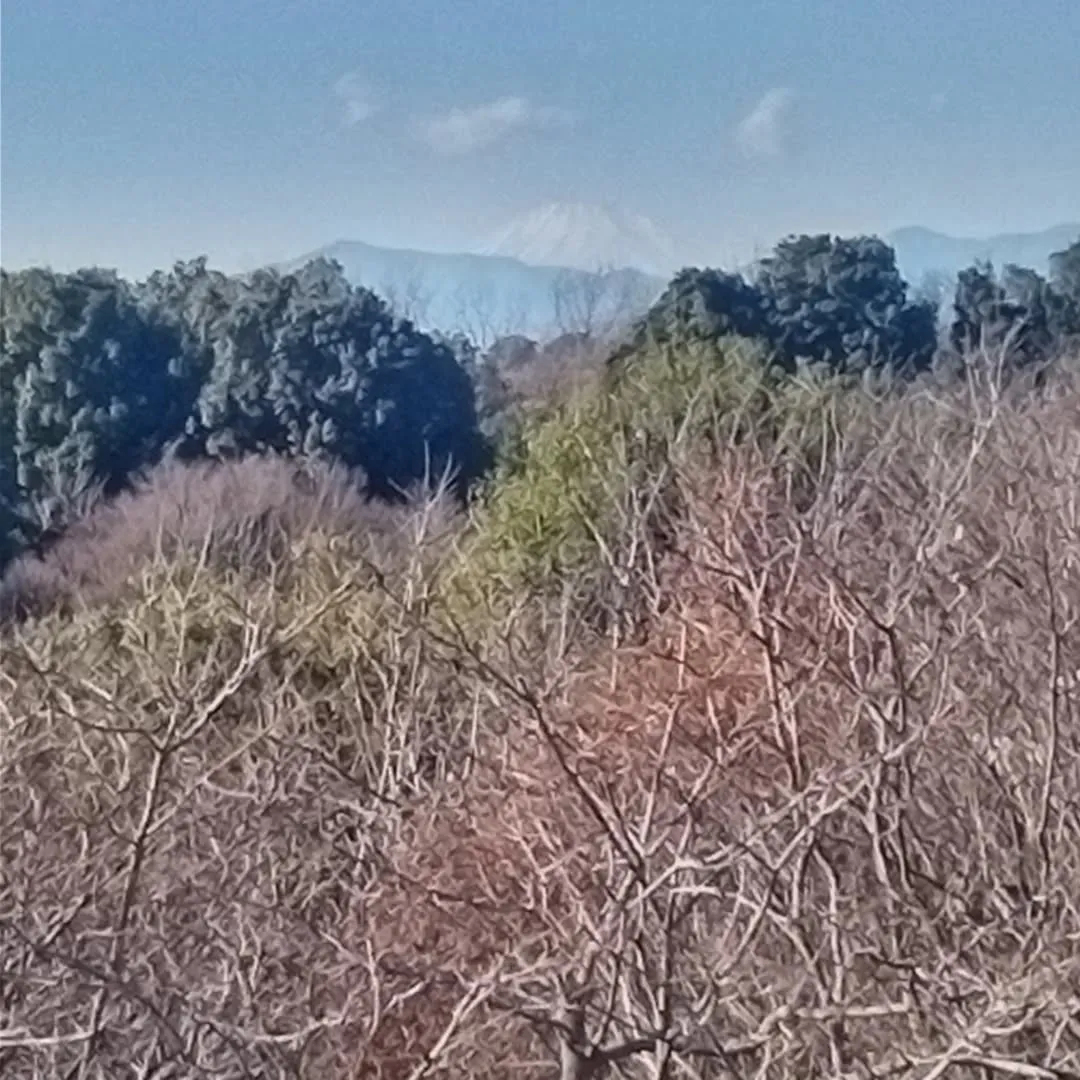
(588, 237)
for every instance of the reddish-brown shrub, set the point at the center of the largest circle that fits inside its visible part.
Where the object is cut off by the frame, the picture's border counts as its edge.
(822, 821)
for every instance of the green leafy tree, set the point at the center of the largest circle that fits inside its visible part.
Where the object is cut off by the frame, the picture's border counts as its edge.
(1018, 310)
(700, 306)
(843, 303)
(11, 538)
(982, 314)
(1049, 315)
(305, 363)
(100, 378)
(491, 390)
(1065, 272)
(825, 300)
(92, 388)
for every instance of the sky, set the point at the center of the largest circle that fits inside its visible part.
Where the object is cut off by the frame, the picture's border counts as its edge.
(134, 133)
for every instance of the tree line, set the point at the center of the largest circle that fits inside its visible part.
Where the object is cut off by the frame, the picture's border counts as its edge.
(101, 378)
(842, 303)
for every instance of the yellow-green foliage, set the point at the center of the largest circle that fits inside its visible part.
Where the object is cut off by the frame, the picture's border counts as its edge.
(561, 504)
(550, 511)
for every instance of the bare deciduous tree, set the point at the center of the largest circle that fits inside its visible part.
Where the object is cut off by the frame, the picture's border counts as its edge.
(817, 817)
(410, 298)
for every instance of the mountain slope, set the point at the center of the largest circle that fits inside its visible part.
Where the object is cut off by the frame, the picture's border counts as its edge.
(922, 251)
(487, 296)
(586, 237)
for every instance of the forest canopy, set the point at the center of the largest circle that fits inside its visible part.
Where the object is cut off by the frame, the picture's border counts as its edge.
(102, 378)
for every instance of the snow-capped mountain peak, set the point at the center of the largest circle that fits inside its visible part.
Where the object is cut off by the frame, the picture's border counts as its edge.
(585, 237)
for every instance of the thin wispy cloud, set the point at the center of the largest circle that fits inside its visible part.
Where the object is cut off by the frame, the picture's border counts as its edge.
(766, 130)
(464, 130)
(357, 99)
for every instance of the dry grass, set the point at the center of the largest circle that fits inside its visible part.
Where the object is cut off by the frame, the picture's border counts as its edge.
(822, 820)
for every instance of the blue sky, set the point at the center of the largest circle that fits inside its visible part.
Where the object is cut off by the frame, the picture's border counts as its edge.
(137, 132)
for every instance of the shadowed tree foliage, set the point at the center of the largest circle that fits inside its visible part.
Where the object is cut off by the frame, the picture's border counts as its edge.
(700, 306)
(93, 386)
(101, 378)
(1018, 310)
(10, 530)
(980, 304)
(1065, 272)
(305, 363)
(819, 299)
(843, 303)
(1050, 316)
(491, 391)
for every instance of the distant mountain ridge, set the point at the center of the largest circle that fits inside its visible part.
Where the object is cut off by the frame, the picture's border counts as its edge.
(486, 295)
(921, 251)
(541, 277)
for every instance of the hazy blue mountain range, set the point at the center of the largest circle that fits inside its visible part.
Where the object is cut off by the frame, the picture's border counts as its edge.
(562, 267)
(534, 277)
(920, 251)
(488, 296)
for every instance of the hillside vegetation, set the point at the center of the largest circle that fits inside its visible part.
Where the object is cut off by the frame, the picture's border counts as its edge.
(101, 378)
(728, 727)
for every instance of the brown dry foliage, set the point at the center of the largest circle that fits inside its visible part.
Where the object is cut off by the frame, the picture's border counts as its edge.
(240, 514)
(824, 820)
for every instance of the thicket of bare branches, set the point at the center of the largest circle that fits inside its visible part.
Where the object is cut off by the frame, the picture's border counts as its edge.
(821, 820)
(245, 514)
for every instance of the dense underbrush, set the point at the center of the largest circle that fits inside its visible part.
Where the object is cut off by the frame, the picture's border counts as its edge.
(732, 733)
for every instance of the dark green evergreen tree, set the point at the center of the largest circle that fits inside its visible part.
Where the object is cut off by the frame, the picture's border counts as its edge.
(92, 388)
(1065, 272)
(100, 378)
(1018, 311)
(843, 303)
(305, 363)
(697, 306)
